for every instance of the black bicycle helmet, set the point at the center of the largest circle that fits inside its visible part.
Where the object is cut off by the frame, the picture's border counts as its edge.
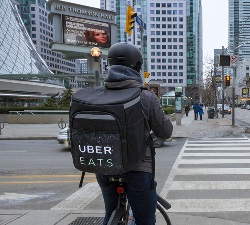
(126, 55)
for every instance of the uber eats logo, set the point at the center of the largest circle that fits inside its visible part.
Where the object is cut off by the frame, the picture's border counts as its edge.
(94, 151)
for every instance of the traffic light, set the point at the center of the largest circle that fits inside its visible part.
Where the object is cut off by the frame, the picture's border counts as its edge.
(131, 14)
(146, 74)
(224, 60)
(227, 78)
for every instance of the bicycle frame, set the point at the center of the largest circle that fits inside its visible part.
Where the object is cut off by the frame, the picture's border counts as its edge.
(121, 213)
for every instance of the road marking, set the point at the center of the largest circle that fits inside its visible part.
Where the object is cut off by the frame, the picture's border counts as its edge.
(215, 154)
(239, 144)
(80, 199)
(209, 205)
(220, 148)
(212, 171)
(45, 179)
(16, 196)
(213, 161)
(209, 185)
(204, 185)
(44, 182)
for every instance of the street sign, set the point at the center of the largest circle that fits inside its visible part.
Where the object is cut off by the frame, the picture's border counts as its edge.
(141, 23)
(233, 60)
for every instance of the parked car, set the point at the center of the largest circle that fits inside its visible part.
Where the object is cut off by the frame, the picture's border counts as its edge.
(63, 137)
(243, 106)
(248, 107)
(227, 109)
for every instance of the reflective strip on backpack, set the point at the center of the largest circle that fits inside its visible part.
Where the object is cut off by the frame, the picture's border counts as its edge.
(94, 117)
(131, 103)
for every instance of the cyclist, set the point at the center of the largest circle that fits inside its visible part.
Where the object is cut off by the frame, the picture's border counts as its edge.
(125, 62)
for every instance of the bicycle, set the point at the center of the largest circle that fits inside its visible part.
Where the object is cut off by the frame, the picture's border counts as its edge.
(120, 215)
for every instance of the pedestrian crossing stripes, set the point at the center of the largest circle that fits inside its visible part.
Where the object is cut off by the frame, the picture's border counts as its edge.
(209, 175)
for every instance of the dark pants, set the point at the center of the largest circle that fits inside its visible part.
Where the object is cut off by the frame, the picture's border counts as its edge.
(200, 117)
(141, 196)
(195, 115)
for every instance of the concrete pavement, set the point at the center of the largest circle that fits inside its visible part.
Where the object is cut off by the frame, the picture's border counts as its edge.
(216, 127)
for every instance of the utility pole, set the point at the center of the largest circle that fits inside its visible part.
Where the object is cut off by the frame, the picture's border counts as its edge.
(233, 91)
(215, 94)
(223, 86)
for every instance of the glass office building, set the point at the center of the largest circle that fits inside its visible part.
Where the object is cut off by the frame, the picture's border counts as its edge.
(18, 55)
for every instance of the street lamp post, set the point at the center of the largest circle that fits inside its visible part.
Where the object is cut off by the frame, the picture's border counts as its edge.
(96, 54)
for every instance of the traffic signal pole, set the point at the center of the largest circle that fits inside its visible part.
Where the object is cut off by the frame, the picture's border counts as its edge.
(223, 86)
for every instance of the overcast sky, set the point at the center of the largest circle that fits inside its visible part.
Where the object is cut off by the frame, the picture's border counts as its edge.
(215, 23)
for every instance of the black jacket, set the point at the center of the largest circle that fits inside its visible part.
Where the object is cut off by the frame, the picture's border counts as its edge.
(120, 77)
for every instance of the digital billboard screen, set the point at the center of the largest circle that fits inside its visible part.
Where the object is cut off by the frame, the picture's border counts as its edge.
(80, 31)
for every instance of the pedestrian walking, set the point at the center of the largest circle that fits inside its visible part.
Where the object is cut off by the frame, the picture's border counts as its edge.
(196, 108)
(187, 109)
(201, 112)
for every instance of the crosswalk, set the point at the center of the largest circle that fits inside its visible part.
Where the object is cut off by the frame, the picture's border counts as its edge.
(210, 175)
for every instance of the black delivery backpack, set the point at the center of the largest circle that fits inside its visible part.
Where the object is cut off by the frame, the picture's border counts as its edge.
(107, 130)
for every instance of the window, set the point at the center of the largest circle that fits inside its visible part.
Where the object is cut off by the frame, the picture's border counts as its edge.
(175, 80)
(152, 46)
(32, 9)
(181, 74)
(158, 11)
(170, 74)
(169, 19)
(169, 12)
(163, 53)
(247, 68)
(169, 5)
(181, 81)
(169, 53)
(163, 19)
(152, 67)
(152, 74)
(170, 81)
(158, 5)
(152, 39)
(158, 60)
(175, 74)
(158, 25)
(152, 12)
(152, 53)
(152, 19)
(152, 4)
(152, 26)
(158, 74)
(180, 12)
(163, 5)
(169, 39)
(163, 12)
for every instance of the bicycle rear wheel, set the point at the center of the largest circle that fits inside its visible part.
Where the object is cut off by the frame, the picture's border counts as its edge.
(164, 214)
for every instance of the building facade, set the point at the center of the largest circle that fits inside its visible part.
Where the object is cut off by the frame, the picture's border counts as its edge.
(20, 59)
(239, 43)
(172, 41)
(35, 17)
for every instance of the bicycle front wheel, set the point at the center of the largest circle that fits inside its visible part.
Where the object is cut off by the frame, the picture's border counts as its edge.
(164, 214)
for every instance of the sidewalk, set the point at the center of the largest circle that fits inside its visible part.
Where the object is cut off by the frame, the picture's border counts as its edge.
(216, 127)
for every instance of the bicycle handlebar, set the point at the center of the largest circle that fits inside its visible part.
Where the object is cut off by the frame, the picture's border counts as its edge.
(163, 202)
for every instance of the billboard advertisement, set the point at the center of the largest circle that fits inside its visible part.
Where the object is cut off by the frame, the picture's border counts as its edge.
(80, 31)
